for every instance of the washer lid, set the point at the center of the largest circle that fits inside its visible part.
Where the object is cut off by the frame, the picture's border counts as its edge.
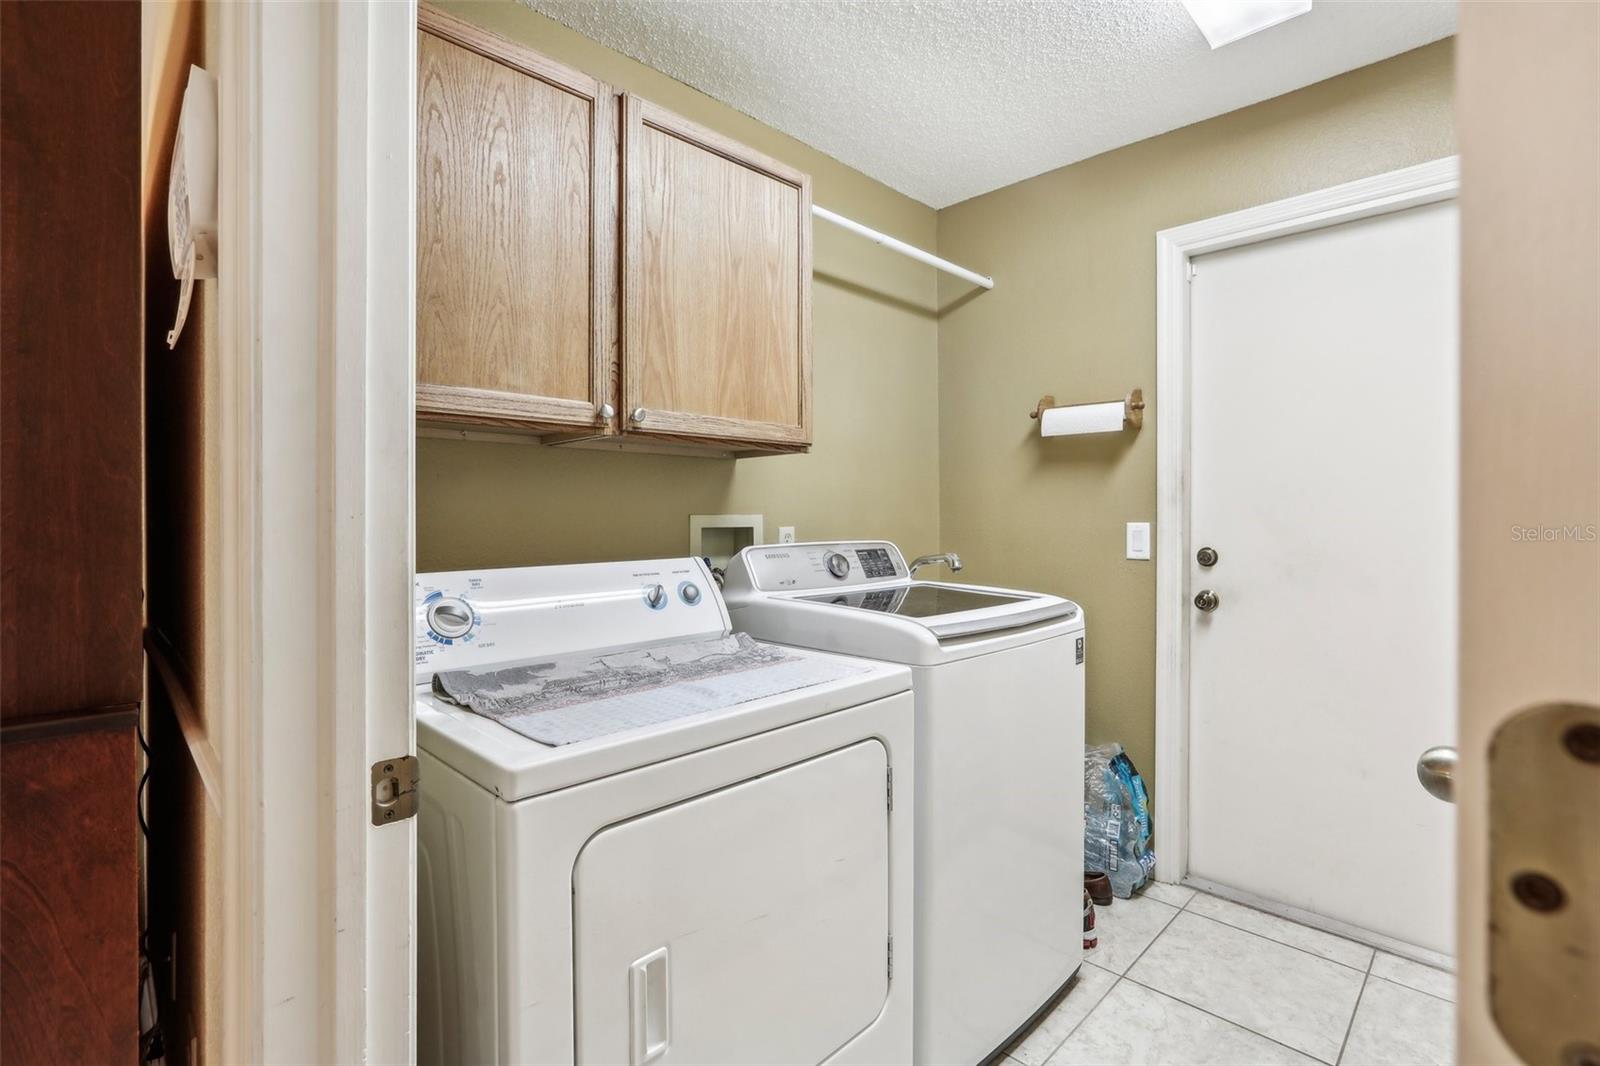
(952, 610)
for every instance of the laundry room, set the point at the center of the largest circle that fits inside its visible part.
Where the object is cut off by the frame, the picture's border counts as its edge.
(937, 532)
(965, 483)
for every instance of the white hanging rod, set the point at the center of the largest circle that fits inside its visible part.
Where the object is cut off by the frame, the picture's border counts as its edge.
(896, 245)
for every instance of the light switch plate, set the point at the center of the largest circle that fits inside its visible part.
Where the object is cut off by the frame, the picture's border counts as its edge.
(1138, 540)
(785, 534)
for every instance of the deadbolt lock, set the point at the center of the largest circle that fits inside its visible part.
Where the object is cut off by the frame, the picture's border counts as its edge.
(1207, 600)
(1206, 557)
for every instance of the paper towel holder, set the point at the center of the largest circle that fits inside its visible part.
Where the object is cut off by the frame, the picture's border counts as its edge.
(1132, 407)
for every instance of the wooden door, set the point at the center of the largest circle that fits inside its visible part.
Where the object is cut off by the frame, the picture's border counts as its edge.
(71, 532)
(1528, 101)
(516, 233)
(716, 286)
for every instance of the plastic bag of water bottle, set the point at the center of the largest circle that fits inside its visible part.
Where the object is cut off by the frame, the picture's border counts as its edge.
(1116, 819)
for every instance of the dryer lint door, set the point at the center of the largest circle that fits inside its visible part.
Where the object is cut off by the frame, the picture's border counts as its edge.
(747, 925)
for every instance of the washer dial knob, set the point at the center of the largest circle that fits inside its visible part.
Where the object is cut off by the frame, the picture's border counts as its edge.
(655, 596)
(450, 617)
(838, 565)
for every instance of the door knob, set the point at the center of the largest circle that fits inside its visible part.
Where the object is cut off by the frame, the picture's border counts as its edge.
(1207, 600)
(1206, 557)
(1436, 769)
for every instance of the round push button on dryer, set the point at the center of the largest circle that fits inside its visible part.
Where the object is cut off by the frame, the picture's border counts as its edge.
(689, 592)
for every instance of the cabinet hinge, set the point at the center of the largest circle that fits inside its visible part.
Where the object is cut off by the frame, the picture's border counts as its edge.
(889, 786)
(394, 789)
(891, 958)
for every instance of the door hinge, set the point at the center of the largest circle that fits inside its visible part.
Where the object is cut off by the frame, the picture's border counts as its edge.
(889, 786)
(1192, 271)
(394, 789)
(891, 958)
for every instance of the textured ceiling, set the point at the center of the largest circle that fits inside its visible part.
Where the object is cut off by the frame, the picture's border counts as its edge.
(944, 100)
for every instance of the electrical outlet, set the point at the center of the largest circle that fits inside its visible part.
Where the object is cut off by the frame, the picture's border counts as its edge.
(785, 534)
(1138, 540)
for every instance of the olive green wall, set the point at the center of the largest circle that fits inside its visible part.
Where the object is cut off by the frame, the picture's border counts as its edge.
(922, 434)
(874, 469)
(1073, 313)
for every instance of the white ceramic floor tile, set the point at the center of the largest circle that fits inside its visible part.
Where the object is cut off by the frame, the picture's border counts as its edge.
(1415, 975)
(1092, 985)
(1134, 1025)
(1126, 928)
(1399, 1026)
(1336, 948)
(1270, 988)
(1177, 895)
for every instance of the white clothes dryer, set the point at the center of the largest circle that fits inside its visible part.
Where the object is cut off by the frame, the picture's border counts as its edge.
(998, 677)
(645, 839)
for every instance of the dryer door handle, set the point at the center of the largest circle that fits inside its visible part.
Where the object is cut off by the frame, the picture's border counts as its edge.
(649, 1008)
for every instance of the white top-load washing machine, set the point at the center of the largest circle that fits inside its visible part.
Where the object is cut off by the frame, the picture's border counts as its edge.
(998, 679)
(700, 859)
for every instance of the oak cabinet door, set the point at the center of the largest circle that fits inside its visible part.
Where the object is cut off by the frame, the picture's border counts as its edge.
(716, 286)
(516, 233)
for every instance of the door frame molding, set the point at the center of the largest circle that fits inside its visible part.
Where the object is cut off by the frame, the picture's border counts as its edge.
(1396, 190)
(311, 612)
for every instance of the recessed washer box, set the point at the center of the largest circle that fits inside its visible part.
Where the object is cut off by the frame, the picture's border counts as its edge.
(719, 537)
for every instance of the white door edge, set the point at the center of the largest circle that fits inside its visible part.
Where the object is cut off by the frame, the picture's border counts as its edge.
(1397, 190)
(314, 526)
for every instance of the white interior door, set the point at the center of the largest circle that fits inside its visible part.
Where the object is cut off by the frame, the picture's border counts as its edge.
(1324, 376)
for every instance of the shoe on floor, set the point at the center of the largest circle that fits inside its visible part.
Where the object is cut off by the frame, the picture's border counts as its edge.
(1099, 888)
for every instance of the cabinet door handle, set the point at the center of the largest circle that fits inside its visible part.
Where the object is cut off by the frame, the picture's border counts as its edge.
(639, 414)
(649, 1009)
(606, 412)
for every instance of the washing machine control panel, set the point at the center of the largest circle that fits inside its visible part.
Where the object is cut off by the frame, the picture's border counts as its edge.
(842, 564)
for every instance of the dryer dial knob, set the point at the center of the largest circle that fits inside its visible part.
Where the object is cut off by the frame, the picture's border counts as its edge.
(838, 565)
(690, 593)
(450, 617)
(655, 596)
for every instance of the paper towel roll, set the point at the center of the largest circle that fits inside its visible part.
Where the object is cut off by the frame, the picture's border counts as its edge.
(1082, 418)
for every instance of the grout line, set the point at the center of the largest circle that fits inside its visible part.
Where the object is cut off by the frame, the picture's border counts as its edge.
(1351, 1024)
(1411, 988)
(1118, 979)
(1280, 943)
(1164, 927)
(1226, 1020)
(1087, 1015)
(1402, 984)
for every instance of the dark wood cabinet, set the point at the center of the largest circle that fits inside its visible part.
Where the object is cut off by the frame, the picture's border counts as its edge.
(71, 543)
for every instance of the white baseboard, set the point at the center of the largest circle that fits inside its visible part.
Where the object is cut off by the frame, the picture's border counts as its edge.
(1426, 956)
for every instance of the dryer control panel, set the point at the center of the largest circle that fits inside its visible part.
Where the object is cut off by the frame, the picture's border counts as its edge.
(826, 565)
(469, 618)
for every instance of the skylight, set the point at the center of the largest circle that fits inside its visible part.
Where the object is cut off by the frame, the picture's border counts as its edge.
(1226, 21)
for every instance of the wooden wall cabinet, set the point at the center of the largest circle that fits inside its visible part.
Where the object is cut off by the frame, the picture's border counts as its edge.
(716, 285)
(597, 270)
(516, 233)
